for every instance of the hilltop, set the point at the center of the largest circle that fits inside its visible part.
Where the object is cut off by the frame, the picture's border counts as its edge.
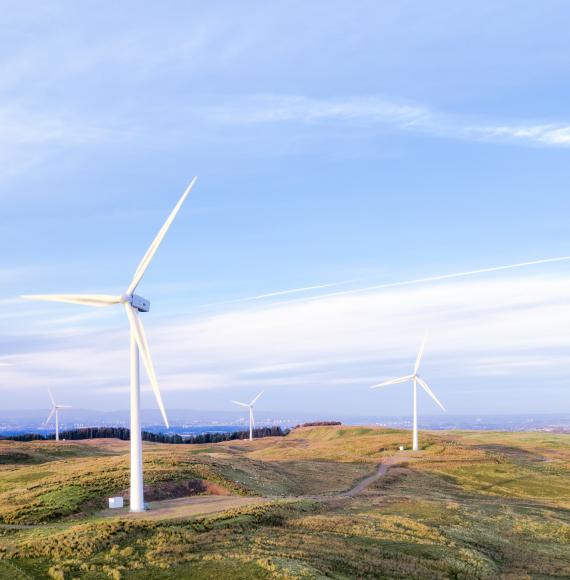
(468, 505)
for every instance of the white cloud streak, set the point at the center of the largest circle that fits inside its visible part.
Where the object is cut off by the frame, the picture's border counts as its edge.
(275, 108)
(551, 135)
(374, 111)
(491, 331)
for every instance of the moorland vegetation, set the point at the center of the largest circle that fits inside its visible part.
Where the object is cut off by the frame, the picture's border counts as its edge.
(468, 505)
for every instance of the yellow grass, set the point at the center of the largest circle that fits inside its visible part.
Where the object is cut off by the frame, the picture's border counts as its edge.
(470, 505)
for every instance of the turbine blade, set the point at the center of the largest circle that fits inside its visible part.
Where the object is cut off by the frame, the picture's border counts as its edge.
(97, 300)
(51, 397)
(141, 269)
(64, 407)
(253, 402)
(241, 404)
(420, 355)
(252, 419)
(393, 382)
(50, 415)
(430, 392)
(138, 332)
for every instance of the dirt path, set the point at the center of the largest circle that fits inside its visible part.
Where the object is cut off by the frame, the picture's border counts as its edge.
(18, 526)
(201, 505)
(194, 506)
(186, 507)
(382, 469)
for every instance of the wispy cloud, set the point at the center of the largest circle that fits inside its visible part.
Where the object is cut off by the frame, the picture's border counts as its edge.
(274, 108)
(491, 330)
(555, 135)
(25, 126)
(30, 135)
(375, 111)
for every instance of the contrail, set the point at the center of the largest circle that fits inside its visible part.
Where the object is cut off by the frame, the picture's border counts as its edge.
(293, 291)
(278, 293)
(446, 276)
(387, 285)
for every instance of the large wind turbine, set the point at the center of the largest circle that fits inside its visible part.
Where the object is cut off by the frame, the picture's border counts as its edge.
(133, 305)
(250, 407)
(415, 378)
(55, 409)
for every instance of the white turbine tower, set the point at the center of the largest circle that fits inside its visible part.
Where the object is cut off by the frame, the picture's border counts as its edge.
(250, 407)
(415, 378)
(138, 345)
(55, 409)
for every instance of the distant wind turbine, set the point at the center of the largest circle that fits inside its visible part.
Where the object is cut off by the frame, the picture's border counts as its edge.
(415, 378)
(250, 407)
(55, 409)
(133, 305)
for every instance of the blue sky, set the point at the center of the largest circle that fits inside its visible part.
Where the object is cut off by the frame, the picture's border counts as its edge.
(360, 142)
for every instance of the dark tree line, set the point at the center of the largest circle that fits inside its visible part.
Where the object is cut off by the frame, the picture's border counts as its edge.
(124, 434)
(320, 424)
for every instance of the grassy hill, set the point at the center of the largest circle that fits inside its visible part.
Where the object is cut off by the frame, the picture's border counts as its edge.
(469, 505)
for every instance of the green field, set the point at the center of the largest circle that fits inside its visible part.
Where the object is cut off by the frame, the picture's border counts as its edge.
(468, 505)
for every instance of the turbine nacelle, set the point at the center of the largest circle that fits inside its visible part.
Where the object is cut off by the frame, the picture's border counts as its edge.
(139, 303)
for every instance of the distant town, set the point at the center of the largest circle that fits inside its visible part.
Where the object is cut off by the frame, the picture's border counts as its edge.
(187, 422)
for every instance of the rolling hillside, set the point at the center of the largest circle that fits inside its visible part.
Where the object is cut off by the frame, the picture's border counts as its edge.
(468, 505)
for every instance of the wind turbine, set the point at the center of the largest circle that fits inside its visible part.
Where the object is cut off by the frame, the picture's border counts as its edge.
(416, 379)
(138, 345)
(250, 407)
(55, 409)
